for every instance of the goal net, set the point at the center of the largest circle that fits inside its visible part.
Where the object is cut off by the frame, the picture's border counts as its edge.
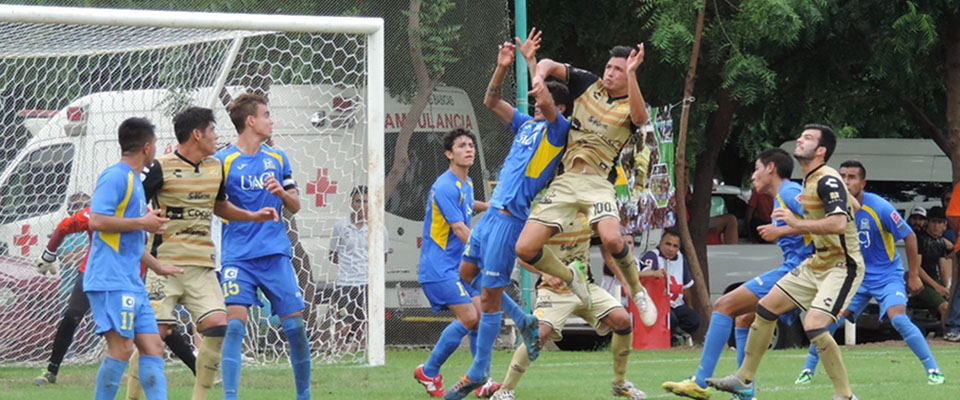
(68, 77)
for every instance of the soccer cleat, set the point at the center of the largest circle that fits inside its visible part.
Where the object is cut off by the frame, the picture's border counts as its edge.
(487, 390)
(732, 384)
(531, 335)
(463, 387)
(578, 285)
(504, 394)
(687, 388)
(806, 376)
(49, 378)
(628, 390)
(648, 311)
(935, 377)
(852, 397)
(433, 385)
(953, 336)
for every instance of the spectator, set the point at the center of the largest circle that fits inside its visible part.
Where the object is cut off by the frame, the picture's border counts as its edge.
(917, 219)
(758, 213)
(349, 251)
(935, 263)
(666, 261)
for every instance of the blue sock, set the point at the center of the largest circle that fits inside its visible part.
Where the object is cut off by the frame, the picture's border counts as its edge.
(446, 345)
(914, 338)
(713, 342)
(230, 358)
(473, 341)
(489, 328)
(741, 336)
(513, 310)
(296, 334)
(812, 357)
(108, 378)
(152, 379)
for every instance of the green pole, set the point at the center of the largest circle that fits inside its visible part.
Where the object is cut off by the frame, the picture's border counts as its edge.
(520, 31)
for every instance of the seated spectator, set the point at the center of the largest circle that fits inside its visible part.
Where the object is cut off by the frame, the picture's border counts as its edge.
(727, 227)
(935, 263)
(758, 213)
(666, 261)
(917, 219)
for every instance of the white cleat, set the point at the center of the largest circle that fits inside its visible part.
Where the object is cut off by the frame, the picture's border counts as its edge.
(579, 285)
(648, 311)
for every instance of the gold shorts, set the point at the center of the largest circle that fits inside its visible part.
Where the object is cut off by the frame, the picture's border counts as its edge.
(572, 193)
(828, 290)
(197, 289)
(553, 308)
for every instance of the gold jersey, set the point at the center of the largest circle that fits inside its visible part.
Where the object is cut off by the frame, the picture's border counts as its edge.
(825, 194)
(599, 127)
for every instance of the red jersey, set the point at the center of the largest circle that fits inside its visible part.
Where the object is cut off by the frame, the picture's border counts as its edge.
(78, 222)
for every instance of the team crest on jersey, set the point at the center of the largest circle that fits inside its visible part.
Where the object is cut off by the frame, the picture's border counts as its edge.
(895, 216)
(864, 224)
(268, 164)
(128, 302)
(230, 273)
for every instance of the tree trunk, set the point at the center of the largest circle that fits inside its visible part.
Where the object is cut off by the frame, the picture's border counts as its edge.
(700, 292)
(951, 77)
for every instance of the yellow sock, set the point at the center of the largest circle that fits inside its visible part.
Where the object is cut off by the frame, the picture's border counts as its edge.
(552, 265)
(133, 377)
(518, 365)
(621, 345)
(833, 362)
(208, 363)
(628, 265)
(761, 332)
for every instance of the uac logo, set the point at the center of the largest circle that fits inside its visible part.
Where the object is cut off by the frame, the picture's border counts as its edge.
(254, 182)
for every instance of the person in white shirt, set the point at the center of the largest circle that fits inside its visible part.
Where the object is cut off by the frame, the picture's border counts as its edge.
(349, 250)
(667, 261)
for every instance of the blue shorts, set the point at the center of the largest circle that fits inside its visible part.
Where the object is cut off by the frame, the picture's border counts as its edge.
(450, 293)
(126, 311)
(493, 247)
(273, 275)
(892, 292)
(762, 284)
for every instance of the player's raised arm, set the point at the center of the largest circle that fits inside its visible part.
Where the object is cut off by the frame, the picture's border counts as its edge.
(528, 49)
(547, 67)
(151, 222)
(638, 108)
(493, 99)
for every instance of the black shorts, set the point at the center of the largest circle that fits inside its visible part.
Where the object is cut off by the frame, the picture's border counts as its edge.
(351, 303)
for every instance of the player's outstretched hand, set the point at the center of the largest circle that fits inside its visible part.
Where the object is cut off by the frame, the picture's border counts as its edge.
(635, 59)
(274, 186)
(529, 48)
(266, 214)
(506, 55)
(785, 215)
(47, 263)
(153, 222)
(168, 270)
(768, 232)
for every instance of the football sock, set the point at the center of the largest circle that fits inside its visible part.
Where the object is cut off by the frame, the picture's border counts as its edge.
(489, 328)
(230, 358)
(713, 343)
(761, 332)
(914, 338)
(628, 266)
(108, 378)
(548, 262)
(152, 378)
(513, 310)
(64, 337)
(740, 334)
(208, 360)
(620, 345)
(832, 360)
(472, 338)
(812, 357)
(449, 340)
(179, 343)
(518, 365)
(296, 333)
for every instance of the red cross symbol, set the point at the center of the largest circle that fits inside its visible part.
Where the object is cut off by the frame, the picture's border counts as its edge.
(25, 240)
(322, 187)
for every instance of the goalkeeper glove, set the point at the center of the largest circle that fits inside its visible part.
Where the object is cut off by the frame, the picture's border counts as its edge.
(47, 263)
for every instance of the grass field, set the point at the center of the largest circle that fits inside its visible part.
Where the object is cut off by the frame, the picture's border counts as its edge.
(876, 372)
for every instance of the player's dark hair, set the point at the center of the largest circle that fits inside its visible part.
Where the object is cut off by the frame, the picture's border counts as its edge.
(452, 136)
(361, 189)
(134, 133)
(855, 164)
(670, 231)
(828, 139)
(620, 52)
(192, 118)
(780, 159)
(561, 96)
(242, 107)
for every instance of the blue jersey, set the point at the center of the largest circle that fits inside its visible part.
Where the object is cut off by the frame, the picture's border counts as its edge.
(795, 247)
(531, 162)
(246, 180)
(879, 227)
(114, 260)
(450, 201)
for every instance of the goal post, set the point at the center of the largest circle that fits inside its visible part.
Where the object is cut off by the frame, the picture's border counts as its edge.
(83, 70)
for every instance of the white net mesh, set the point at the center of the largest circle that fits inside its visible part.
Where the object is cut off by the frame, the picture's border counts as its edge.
(64, 90)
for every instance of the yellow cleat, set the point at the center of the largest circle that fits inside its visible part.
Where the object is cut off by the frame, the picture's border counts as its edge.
(687, 388)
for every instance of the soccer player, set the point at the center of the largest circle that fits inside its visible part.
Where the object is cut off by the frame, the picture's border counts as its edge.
(187, 185)
(771, 175)
(606, 112)
(446, 229)
(78, 304)
(529, 165)
(118, 298)
(555, 303)
(880, 227)
(822, 284)
(257, 255)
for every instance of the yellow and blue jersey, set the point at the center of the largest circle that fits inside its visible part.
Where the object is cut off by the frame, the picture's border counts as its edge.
(450, 201)
(795, 247)
(114, 260)
(245, 178)
(879, 227)
(531, 162)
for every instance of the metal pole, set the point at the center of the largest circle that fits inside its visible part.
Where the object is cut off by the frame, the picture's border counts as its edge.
(520, 30)
(376, 354)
